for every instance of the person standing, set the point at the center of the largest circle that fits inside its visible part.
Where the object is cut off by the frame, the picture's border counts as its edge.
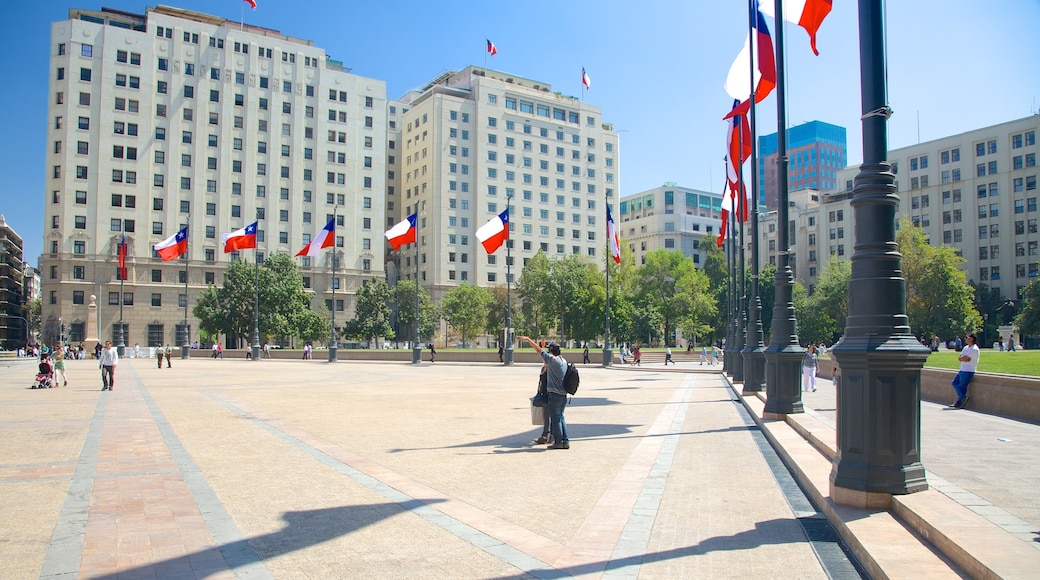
(267, 350)
(555, 369)
(810, 363)
(220, 351)
(704, 354)
(969, 362)
(714, 355)
(159, 354)
(500, 351)
(107, 362)
(433, 353)
(214, 350)
(169, 356)
(137, 350)
(585, 355)
(668, 356)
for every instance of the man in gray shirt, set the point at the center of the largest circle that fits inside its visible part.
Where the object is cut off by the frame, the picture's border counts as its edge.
(556, 368)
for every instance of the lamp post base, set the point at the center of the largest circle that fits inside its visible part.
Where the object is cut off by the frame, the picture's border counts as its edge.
(608, 357)
(333, 353)
(416, 354)
(508, 358)
(185, 351)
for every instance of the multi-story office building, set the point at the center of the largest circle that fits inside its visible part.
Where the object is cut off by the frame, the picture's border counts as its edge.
(816, 151)
(12, 317)
(976, 191)
(471, 142)
(174, 118)
(670, 217)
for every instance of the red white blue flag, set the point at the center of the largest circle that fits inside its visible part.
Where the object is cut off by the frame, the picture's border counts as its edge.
(614, 239)
(738, 81)
(122, 258)
(491, 48)
(808, 14)
(251, 3)
(173, 246)
(585, 80)
(241, 239)
(403, 232)
(321, 240)
(494, 233)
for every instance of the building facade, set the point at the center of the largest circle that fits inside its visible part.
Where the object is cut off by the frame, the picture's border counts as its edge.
(816, 150)
(472, 142)
(975, 191)
(13, 323)
(175, 118)
(669, 217)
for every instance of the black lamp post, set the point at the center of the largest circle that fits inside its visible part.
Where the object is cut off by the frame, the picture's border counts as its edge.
(879, 386)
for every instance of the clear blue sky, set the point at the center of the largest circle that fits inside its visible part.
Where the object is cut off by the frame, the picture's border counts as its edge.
(657, 70)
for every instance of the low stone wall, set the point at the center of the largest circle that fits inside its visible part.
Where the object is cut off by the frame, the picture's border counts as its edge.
(1007, 395)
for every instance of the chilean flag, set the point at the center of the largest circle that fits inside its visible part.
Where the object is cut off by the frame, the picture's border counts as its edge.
(585, 80)
(738, 85)
(738, 150)
(251, 3)
(615, 240)
(241, 239)
(491, 48)
(808, 14)
(173, 246)
(403, 232)
(122, 258)
(495, 232)
(321, 240)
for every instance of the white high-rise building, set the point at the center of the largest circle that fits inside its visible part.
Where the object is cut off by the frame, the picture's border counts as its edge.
(472, 141)
(670, 217)
(154, 118)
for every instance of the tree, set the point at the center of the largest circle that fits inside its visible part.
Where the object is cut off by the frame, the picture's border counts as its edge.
(496, 321)
(404, 292)
(313, 324)
(534, 286)
(466, 309)
(938, 298)
(671, 286)
(372, 315)
(31, 312)
(1028, 318)
(828, 307)
(715, 269)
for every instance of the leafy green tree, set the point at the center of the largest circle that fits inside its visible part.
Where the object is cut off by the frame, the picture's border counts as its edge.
(671, 286)
(466, 307)
(372, 315)
(404, 293)
(496, 322)
(31, 312)
(1028, 318)
(715, 269)
(829, 304)
(313, 324)
(534, 288)
(767, 296)
(939, 300)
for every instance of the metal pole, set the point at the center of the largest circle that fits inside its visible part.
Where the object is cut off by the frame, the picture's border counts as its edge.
(879, 386)
(755, 348)
(740, 333)
(608, 354)
(186, 345)
(508, 360)
(256, 299)
(333, 343)
(416, 348)
(784, 355)
(727, 351)
(121, 346)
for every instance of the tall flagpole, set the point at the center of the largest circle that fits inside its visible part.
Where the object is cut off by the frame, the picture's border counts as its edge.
(754, 347)
(509, 310)
(186, 345)
(121, 346)
(740, 332)
(256, 296)
(333, 344)
(608, 355)
(416, 348)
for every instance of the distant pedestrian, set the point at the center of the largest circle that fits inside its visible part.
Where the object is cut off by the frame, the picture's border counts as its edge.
(169, 356)
(433, 353)
(59, 369)
(214, 349)
(501, 351)
(1011, 344)
(668, 356)
(714, 355)
(810, 364)
(137, 350)
(585, 355)
(704, 354)
(220, 350)
(267, 350)
(107, 362)
(969, 358)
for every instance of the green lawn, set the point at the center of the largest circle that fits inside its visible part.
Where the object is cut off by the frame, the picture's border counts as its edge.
(1020, 362)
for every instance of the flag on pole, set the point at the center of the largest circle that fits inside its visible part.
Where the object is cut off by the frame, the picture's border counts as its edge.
(615, 240)
(321, 240)
(403, 232)
(585, 80)
(494, 233)
(122, 258)
(738, 150)
(251, 3)
(738, 85)
(808, 14)
(173, 246)
(491, 48)
(728, 203)
(241, 239)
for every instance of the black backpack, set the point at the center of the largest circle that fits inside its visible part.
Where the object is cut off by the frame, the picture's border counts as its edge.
(571, 379)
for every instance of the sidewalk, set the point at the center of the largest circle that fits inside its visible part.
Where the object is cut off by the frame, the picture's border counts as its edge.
(286, 469)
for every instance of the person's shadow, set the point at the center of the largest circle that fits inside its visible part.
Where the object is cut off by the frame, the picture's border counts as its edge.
(302, 529)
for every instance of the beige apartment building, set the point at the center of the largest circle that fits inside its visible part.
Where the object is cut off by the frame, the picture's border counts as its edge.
(670, 217)
(471, 142)
(172, 118)
(976, 191)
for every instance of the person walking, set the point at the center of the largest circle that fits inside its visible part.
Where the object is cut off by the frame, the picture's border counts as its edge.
(433, 353)
(714, 355)
(556, 368)
(59, 369)
(214, 350)
(810, 363)
(107, 362)
(169, 356)
(220, 350)
(969, 358)
(668, 356)
(267, 350)
(159, 354)
(585, 355)
(500, 352)
(704, 354)
(137, 350)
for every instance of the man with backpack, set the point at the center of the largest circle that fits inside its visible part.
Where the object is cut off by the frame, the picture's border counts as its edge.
(556, 370)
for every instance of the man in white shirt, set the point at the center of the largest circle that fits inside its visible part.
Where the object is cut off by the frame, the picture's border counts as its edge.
(969, 358)
(107, 363)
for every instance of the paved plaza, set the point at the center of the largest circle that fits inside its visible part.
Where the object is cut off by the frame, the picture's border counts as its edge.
(302, 469)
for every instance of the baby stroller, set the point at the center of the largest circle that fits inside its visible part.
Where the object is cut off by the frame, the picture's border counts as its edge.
(44, 378)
